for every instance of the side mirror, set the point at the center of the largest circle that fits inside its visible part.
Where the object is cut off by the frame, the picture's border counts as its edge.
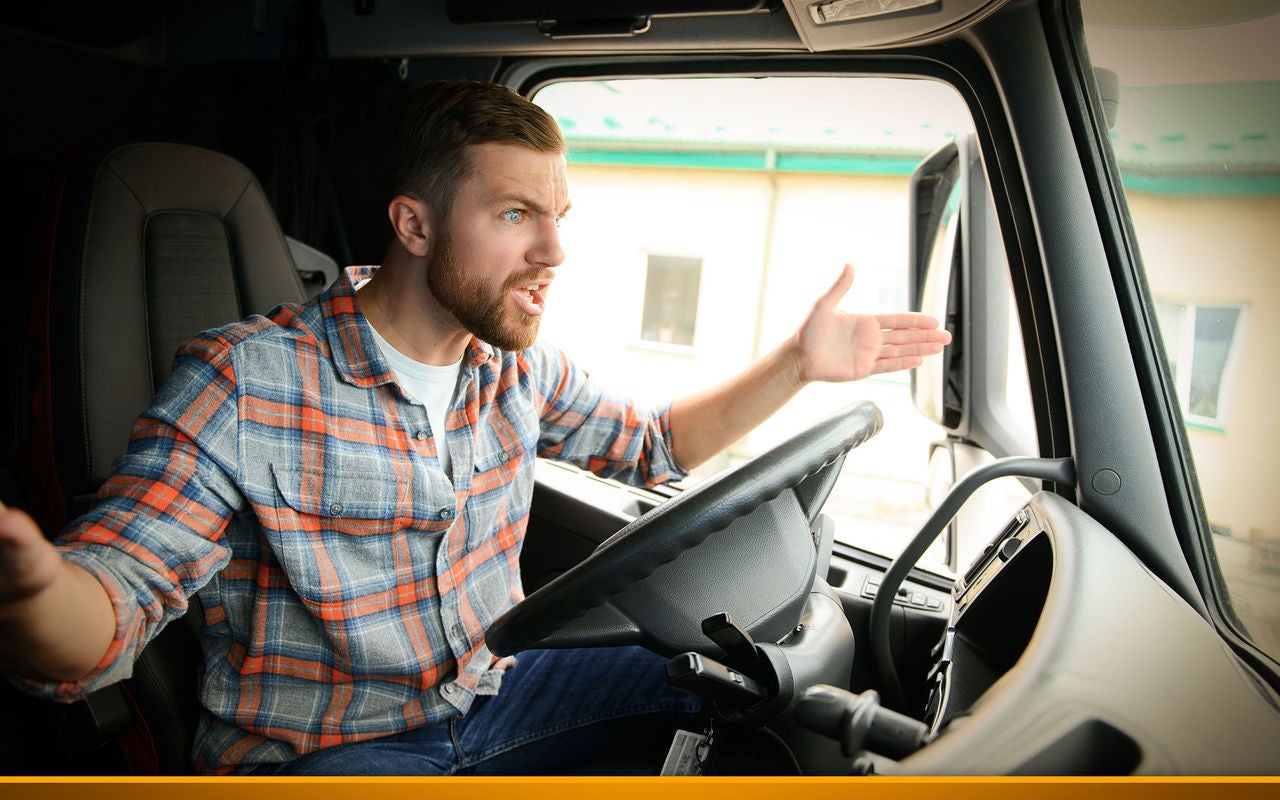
(958, 273)
(937, 277)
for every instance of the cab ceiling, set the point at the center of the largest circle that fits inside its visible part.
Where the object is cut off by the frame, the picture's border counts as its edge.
(151, 31)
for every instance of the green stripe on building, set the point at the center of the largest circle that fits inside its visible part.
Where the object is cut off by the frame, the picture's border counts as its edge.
(1179, 183)
(748, 160)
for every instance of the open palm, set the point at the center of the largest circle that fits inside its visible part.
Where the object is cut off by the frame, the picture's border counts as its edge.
(838, 346)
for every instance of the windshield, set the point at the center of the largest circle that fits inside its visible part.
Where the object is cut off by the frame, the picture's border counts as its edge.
(708, 215)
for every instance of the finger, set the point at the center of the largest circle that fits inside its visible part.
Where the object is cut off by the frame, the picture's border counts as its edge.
(28, 562)
(907, 319)
(838, 289)
(914, 336)
(895, 363)
(922, 349)
(17, 529)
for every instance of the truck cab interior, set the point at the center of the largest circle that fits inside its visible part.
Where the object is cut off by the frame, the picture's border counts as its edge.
(1049, 551)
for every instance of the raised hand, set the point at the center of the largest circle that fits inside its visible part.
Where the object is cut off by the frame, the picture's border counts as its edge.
(834, 345)
(56, 620)
(28, 562)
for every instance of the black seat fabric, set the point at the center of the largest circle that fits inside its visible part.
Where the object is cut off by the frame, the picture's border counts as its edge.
(155, 243)
(152, 244)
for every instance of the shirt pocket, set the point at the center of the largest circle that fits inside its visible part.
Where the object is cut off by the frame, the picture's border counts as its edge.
(342, 536)
(504, 457)
(502, 484)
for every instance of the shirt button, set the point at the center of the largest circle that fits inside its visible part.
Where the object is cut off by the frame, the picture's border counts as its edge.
(335, 509)
(422, 436)
(447, 690)
(446, 513)
(456, 630)
(504, 456)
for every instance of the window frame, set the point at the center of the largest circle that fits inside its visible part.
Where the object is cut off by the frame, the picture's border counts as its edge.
(1169, 430)
(1018, 320)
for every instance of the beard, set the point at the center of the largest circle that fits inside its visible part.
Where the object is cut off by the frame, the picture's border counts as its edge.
(483, 312)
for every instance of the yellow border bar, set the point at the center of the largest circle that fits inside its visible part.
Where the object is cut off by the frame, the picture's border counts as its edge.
(869, 788)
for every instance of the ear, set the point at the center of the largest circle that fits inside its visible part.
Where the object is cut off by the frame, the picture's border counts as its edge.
(411, 222)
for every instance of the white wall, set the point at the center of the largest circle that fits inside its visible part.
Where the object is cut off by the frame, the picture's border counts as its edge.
(1227, 249)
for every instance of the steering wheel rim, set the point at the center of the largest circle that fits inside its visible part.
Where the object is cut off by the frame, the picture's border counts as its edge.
(676, 527)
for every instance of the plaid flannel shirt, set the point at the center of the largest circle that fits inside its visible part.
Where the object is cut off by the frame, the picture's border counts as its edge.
(284, 476)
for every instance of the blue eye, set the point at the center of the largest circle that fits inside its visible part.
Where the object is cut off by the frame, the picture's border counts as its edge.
(513, 215)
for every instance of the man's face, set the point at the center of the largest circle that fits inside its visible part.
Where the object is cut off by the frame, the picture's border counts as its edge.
(492, 260)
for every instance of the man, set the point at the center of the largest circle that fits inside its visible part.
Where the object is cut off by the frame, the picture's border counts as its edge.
(345, 485)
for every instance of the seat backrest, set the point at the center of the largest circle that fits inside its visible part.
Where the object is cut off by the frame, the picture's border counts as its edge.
(152, 243)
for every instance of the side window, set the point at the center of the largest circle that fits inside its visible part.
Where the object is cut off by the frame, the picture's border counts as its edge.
(1197, 142)
(710, 213)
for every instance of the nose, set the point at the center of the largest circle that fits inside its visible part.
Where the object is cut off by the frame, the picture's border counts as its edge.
(546, 250)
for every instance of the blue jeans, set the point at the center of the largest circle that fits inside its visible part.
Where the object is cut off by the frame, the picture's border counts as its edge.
(606, 711)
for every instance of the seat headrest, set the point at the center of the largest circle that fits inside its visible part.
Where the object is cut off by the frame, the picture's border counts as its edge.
(154, 243)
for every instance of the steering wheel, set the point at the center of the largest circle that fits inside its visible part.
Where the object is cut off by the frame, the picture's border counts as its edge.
(739, 542)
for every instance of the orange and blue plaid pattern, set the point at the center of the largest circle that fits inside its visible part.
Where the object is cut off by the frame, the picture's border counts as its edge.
(283, 476)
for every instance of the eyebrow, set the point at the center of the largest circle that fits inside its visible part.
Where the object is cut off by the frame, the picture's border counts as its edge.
(532, 205)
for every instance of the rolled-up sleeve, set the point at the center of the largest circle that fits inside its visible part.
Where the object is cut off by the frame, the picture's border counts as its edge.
(606, 434)
(155, 534)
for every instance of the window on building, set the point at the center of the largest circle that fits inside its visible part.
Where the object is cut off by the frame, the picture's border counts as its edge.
(1200, 340)
(671, 300)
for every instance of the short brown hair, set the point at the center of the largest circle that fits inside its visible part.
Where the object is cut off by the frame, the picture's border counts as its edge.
(438, 122)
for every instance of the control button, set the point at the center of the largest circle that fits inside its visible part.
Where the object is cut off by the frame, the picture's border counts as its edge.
(870, 586)
(917, 599)
(335, 509)
(422, 436)
(1009, 547)
(934, 603)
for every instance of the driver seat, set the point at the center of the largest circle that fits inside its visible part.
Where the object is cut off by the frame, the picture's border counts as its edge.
(152, 243)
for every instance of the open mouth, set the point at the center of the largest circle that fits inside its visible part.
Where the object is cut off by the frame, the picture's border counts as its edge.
(531, 297)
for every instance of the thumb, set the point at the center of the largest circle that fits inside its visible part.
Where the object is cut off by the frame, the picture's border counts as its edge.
(27, 560)
(17, 532)
(838, 289)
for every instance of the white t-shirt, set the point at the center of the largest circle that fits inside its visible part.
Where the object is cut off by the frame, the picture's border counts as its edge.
(429, 385)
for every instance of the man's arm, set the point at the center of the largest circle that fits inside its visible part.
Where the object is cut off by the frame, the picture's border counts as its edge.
(830, 345)
(56, 621)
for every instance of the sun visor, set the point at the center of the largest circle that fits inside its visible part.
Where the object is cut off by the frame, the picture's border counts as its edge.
(826, 25)
(467, 12)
